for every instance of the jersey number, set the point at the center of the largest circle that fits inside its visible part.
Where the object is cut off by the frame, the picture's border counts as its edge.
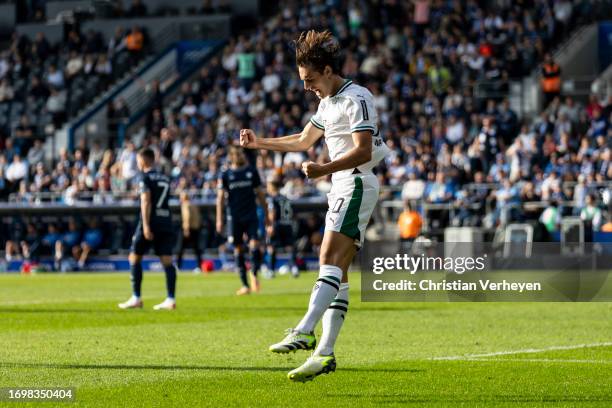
(338, 205)
(166, 187)
(286, 213)
(364, 110)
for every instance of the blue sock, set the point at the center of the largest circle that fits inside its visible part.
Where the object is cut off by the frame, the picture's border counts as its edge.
(170, 279)
(136, 278)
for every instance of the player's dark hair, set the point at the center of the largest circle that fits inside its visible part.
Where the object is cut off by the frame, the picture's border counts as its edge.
(316, 50)
(147, 154)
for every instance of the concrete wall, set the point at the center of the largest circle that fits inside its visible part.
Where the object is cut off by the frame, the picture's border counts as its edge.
(579, 56)
(7, 17)
(238, 6)
(204, 27)
(53, 8)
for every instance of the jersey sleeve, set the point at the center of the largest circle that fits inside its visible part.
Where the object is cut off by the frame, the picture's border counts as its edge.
(361, 114)
(143, 185)
(256, 179)
(221, 185)
(317, 118)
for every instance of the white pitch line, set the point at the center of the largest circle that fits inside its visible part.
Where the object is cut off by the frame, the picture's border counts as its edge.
(538, 360)
(524, 351)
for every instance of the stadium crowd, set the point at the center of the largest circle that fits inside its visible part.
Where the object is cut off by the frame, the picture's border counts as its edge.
(42, 84)
(421, 60)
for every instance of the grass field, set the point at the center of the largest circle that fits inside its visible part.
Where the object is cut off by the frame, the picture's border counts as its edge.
(65, 331)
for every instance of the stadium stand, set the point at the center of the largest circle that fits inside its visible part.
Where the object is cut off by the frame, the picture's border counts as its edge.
(461, 159)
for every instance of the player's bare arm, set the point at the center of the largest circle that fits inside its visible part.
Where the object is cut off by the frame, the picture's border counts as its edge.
(360, 154)
(298, 142)
(220, 203)
(145, 208)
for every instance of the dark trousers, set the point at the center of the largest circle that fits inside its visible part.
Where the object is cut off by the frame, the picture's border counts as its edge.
(193, 241)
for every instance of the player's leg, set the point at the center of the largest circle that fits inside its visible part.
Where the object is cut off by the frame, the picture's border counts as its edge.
(345, 230)
(135, 301)
(170, 272)
(238, 230)
(255, 253)
(334, 317)
(271, 251)
(179, 258)
(195, 240)
(10, 249)
(336, 254)
(59, 255)
(242, 269)
(164, 246)
(25, 250)
(139, 247)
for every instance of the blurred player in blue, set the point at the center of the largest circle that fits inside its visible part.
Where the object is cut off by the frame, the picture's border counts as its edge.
(280, 231)
(154, 229)
(242, 186)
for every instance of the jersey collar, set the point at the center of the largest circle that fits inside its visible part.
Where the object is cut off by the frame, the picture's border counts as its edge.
(346, 84)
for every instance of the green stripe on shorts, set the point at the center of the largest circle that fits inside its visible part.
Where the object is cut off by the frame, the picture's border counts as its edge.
(350, 224)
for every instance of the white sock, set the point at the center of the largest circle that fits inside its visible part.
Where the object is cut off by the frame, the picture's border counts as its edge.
(324, 291)
(332, 322)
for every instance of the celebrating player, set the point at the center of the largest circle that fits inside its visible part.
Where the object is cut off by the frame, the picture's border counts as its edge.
(347, 118)
(154, 228)
(243, 187)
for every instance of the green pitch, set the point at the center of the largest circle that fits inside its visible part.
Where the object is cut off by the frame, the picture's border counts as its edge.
(65, 331)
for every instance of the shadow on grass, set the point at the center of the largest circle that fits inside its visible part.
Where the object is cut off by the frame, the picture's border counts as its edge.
(407, 399)
(51, 310)
(135, 367)
(183, 367)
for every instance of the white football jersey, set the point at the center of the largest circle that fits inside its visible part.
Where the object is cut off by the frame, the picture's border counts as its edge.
(349, 110)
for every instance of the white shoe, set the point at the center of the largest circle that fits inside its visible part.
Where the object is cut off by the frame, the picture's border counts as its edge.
(168, 304)
(132, 303)
(295, 272)
(314, 366)
(197, 270)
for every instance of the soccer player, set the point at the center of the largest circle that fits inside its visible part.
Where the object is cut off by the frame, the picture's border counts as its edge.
(242, 185)
(347, 118)
(280, 232)
(154, 229)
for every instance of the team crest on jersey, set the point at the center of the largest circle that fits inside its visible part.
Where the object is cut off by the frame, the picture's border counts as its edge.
(249, 174)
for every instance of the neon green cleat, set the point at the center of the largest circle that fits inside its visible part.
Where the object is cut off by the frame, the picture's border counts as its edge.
(314, 366)
(295, 341)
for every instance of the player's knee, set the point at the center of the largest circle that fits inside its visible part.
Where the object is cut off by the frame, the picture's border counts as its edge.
(134, 259)
(166, 261)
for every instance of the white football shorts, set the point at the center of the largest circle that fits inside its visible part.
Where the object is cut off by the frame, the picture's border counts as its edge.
(351, 202)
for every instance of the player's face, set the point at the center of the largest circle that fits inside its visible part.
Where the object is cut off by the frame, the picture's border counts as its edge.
(317, 82)
(139, 162)
(237, 157)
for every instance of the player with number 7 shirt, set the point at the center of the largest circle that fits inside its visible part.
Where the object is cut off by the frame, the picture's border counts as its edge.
(155, 229)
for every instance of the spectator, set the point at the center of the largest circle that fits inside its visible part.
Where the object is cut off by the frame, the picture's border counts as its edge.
(92, 240)
(551, 217)
(6, 91)
(591, 214)
(551, 79)
(409, 224)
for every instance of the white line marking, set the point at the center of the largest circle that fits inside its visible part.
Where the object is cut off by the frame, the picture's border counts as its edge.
(539, 360)
(524, 351)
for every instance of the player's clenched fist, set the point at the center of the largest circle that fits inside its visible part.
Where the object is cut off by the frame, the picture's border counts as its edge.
(248, 138)
(312, 169)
